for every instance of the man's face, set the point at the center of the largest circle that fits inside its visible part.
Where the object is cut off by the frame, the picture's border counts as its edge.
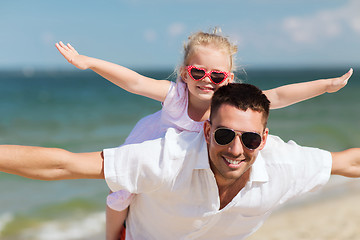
(229, 162)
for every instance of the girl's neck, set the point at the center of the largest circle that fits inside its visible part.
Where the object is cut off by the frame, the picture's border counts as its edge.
(199, 110)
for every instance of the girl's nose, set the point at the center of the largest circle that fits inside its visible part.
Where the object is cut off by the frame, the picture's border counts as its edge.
(207, 79)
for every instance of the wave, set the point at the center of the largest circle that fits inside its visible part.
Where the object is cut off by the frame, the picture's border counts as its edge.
(91, 225)
(71, 225)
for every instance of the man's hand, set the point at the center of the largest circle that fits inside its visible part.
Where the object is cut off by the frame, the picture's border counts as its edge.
(50, 163)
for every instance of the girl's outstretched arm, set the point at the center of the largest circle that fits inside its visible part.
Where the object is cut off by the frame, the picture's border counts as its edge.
(289, 94)
(346, 163)
(121, 76)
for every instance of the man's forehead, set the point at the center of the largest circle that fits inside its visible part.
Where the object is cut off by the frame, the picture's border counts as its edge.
(238, 119)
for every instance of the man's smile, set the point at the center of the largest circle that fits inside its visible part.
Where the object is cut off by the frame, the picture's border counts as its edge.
(233, 162)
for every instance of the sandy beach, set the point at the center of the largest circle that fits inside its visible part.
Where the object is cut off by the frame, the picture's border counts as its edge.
(335, 217)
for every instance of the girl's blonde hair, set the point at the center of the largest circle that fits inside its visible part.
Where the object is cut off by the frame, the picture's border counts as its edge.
(214, 39)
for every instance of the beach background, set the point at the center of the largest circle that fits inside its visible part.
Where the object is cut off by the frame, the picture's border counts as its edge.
(80, 111)
(44, 101)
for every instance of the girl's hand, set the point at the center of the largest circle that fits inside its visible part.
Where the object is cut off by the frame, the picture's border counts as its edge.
(335, 84)
(72, 56)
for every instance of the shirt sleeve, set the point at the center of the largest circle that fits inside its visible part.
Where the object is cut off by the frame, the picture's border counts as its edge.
(134, 167)
(147, 166)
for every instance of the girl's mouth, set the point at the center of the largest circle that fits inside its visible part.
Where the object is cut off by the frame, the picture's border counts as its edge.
(204, 88)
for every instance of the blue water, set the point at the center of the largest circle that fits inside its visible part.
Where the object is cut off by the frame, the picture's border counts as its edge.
(80, 111)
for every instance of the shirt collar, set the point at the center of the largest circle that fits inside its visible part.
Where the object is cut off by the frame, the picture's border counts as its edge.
(258, 170)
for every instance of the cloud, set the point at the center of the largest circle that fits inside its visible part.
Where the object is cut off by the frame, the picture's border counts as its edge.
(355, 24)
(150, 35)
(324, 24)
(176, 29)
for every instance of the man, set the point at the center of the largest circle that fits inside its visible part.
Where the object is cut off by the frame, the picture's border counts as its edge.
(212, 185)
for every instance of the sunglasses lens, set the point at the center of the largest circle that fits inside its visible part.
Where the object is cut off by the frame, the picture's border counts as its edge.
(217, 77)
(224, 136)
(197, 73)
(251, 140)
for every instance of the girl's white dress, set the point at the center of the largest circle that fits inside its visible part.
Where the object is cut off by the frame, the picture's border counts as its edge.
(173, 114)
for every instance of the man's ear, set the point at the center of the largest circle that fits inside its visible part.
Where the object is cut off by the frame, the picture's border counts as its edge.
(207, 132)
(264, 138)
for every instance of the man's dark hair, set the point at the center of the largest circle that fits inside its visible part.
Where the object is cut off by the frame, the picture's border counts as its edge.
(242, 96)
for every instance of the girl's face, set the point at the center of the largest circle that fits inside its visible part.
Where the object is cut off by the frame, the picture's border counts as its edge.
(210, 59)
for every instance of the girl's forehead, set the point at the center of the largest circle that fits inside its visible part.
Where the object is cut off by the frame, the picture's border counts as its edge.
(210, 57)
(209, 48)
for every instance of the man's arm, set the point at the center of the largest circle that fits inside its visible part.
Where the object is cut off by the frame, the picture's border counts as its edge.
(50, 163)
(346, 163)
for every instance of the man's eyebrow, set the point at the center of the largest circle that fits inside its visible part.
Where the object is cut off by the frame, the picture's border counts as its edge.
(242, 131)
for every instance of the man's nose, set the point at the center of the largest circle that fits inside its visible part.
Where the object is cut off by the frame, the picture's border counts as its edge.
(236, 147)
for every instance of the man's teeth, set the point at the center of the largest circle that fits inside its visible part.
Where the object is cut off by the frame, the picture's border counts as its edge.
(232, 161)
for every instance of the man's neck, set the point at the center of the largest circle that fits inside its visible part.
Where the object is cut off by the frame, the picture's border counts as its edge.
(228, 191)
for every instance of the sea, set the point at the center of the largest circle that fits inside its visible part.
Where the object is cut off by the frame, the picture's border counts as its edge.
(82, 112)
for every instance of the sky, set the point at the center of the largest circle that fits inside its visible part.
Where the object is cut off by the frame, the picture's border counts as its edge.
(143, 34)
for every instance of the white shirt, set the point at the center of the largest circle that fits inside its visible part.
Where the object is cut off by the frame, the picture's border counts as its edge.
(177, 192)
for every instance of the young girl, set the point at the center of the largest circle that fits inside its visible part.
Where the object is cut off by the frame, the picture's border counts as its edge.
(208, 64)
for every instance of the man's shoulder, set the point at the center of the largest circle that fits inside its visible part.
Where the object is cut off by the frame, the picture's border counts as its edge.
(278, 151)
(187, 147)
(182, 140)
(173, 134)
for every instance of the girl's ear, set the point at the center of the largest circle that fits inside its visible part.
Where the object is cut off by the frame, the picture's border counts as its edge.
(183, 73)
(231, 78)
